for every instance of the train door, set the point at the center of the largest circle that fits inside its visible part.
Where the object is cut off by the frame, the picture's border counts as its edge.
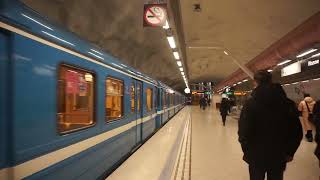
(157, 107)
(138, 110)
(4, 62)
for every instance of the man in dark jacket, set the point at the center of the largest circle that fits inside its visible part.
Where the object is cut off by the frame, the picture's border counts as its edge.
(203, 103)
(269, 129)
(316, 120)
(224, 109)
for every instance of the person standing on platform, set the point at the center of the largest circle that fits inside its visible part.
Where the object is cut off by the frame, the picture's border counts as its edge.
(270, 131)
(316, 121)
(306, 108)
(224, 109)
(203, 103)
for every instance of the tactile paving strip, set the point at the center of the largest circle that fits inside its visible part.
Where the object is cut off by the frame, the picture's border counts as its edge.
(182, 170)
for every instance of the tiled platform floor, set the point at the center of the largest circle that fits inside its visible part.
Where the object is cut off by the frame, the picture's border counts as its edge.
(215, 152)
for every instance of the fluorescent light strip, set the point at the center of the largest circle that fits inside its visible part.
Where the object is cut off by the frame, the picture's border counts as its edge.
(171, 42)
(245, 80)
(176, 55)
(284, 62)
(316, 79)
(270, 70)
(117, 65)
(316, 55)
(306, 53)
(96, 55)
(225, 52)
(166, 26)
(96, 51)
(37, 22)
(179, 63)
(57, 38)
(305, 81)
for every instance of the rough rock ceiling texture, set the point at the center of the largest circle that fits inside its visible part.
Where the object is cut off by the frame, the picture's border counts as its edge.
(116, 26)
(245, 28)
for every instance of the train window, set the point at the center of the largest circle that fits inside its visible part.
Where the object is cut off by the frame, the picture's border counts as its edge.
(114, 99)
(132, 97)
(138, 96)
(149, 99)
(75, 99)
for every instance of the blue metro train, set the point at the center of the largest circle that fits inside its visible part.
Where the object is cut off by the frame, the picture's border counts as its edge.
(67, 109)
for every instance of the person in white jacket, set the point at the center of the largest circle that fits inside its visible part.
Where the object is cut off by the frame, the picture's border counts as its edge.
(306, 108)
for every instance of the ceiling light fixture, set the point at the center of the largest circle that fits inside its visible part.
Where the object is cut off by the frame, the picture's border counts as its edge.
(166, 26)
(306, 53)
(57, 38)
(179, 63)
(171, 42)
(176, 55)
(284, 62)
(96, 55)
(96, 51)
(270, 70)
(316, 55)
(225, 52)
(182, 73)
(181, 69)
(37, 22)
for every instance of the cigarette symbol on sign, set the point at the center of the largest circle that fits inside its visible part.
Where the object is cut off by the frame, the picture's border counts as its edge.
(155, 15)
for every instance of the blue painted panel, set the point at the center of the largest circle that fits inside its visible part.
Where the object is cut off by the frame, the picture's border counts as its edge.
(4, 96)
(91, 163)
(148, 128)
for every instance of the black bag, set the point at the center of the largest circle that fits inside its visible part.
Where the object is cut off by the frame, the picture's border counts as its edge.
(310, 117)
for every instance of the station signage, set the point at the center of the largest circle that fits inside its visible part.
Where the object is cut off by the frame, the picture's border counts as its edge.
(201, 92)
(240, 93)
(291, 69)
(313, 62)
(155, 15)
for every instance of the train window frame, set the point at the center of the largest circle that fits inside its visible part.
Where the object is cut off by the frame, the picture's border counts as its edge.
(140, 97)
(94, 98)
(132, 111)
(152, 105)
(123, 99)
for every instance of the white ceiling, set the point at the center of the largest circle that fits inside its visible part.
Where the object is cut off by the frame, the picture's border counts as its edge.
(245, 28)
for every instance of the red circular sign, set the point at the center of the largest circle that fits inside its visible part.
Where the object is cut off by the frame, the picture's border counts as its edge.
(155, 15)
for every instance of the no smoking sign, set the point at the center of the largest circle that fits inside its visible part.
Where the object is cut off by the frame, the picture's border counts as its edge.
(155, 15)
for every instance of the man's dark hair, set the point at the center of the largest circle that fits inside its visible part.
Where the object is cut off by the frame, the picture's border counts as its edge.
(306, 95)
(263, 77)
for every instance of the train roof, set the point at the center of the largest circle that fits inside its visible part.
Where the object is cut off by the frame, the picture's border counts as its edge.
(18, 14)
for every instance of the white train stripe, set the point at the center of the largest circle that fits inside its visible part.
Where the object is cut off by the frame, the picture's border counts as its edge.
(35, 165)
(43, 41)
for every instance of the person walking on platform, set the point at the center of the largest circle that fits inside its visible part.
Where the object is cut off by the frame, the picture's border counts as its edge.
(316, 121)
(224, 108)
(270, 131)
(203, 103)
(306, 107)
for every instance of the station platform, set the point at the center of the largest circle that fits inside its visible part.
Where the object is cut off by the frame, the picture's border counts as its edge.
(195, 145)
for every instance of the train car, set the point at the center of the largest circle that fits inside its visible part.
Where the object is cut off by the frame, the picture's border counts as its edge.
(68, 110)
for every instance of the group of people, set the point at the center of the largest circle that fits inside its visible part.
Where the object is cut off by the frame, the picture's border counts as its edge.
(204, 102)
(270, 131)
